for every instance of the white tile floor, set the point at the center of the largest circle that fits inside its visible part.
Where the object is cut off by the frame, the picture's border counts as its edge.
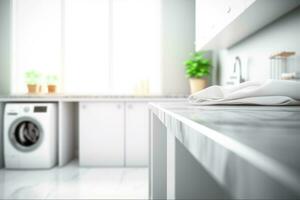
(72, 182)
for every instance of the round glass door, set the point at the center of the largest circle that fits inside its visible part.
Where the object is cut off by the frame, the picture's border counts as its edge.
(26, 134)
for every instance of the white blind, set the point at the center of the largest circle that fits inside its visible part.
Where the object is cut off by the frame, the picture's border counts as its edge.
(95, 46)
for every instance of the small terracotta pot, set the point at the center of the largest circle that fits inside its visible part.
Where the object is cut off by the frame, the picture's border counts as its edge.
(197, 84)
(51, 88)
(32, 88)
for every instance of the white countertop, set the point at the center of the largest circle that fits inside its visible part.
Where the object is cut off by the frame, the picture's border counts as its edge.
(77, 98)
(259, 140)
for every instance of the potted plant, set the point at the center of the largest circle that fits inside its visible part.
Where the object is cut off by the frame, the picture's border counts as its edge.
(197, 68)
(52, 82)
(32, 80)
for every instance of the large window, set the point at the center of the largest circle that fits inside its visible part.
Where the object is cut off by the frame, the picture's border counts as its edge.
(86, 36)
(95, 46)
(136, 44)
(36, 39)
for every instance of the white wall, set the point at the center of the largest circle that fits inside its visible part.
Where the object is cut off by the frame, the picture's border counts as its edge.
(5, 19)
(281, 35)
(178, 37)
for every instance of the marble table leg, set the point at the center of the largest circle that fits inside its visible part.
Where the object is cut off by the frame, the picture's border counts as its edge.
(174, 172)
(171, 187)
(158, 163)
(192, 181)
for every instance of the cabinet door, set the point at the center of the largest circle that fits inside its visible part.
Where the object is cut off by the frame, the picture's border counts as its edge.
(101, 139)
(212, 16)
(209, 20)
(137, 134)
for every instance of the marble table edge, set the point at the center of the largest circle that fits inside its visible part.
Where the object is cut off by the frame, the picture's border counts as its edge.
(270, 166)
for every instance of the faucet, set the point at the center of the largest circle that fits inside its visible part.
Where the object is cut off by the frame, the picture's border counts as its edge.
(236, 77)
(239, 63)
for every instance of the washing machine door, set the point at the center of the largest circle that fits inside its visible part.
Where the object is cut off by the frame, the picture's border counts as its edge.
(26, 134)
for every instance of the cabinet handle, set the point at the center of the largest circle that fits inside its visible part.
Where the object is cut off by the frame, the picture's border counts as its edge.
(228, 10)
(129, 106)
(83, 106)
(119, 106)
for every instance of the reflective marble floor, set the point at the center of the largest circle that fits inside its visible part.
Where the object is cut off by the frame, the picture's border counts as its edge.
(72, 182)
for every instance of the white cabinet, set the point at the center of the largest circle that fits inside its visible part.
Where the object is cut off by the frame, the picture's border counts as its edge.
(212, 16)
(114, 133)
(222, 24)
(101, 130)
(137, 134)
(209, 20)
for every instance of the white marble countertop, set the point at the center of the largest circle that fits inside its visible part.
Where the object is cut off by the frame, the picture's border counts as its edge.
(77, 98)
(224, 138)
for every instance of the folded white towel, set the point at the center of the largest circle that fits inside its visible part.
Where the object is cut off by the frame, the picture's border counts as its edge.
(271, 92)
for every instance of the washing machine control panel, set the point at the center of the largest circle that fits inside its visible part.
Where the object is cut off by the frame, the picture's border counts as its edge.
(40, 109)
(26, 109)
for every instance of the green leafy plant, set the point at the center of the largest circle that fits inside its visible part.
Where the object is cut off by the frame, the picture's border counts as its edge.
(52, 79)
(32, 77)
(197, 66)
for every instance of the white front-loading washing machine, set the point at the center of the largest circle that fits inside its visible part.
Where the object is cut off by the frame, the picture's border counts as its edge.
(30, 135)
